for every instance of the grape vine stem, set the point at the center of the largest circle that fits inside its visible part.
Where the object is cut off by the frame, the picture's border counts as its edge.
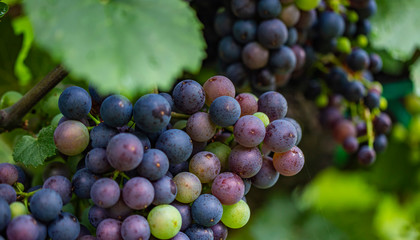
(11, 117)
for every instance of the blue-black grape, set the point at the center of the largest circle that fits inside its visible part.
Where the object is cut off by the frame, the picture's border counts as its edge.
(273, 104)
(116, 111)
(23, 227)
(165, 190)
(109, 229)
(272, 33)
(154, 165)
(354, 91)
(97, 162)
(138, 193)
(61, 185)
(135, 227)
(246, 162)
(74, 103)
(330, 25)
(8, 173)
(120, 210)
(292, 36)
(189, 96)
(366, 155)
(105, 192)
(200, 128)
(143, 139)
(101, 134)
(283, 60)
(247, 184)
(42, 230)
(225, 111)
(176, 144)
(168, 98)
(199, 232)
(96, 97)
(185, 211)
(82, 182)
(244, 31)
(207, 210)
(229, 51)
(280, 136)
(375, 63)
(263, 80)
(255, 56)
(380, 143)
(228, 188)
(64, 227)
(220, 231)
(152, 113)
(367, 10)
(337, 79)
(7, 192)
(358, 60)
(124, 151)
(5, 214)
(96, 215)
(243, 8)
(238, 73)
(46, 204)
(223, 23)
(267, 176)
(249, 131)
(174, 169)
(268, 8)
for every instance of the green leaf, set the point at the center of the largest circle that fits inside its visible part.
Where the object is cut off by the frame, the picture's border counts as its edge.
(3, 9)
(415, 76)
(394, 28)
(33, 151)
(126, 46)
(21, 25)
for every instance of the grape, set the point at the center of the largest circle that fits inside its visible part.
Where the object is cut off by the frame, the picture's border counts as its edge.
(218, 86)
(5, 214)
(306, 20)
(350, 144)
(176, 144)
(120, 210)
(180, 236)
(337, 79)
(229, 51)
(244, 31)
(273, 104)
(292, 36)
(380, 143)
(344, 129)
(228, 188)
(236, 215)
(105, 192)
(135, 227)
(74, 103)
(248, 103)
(101, 134)
(189, 96)
(109, 229)
(264, 80)
(247, 184)
(61, 185)
(206, 210)
(382, 123)
(300, 56)
(307, 5)
(200, 128)
(223, 23)
(165, 191)
(243, 8)
(366, 155)
(96, 97)
(375, 63)
(290, 15)
(358, 60)
(152, 113)
(97, 162)
(224, 111)
(56, 169)
(46, 204)
(289, 163)
(272, 33)
(368, 10)
(268, 9)
(65, 226)
(138, 193)
(354, 91)
(198, 147)
(280, 136)
(164, 221)
(267, 176)
(283, 60)
(185, 211)
(298, 129)
(263, 117)
(97, 215)
(255, 56)
(168, 98)
(18, 209)
(330, 25)
(7, 192)
(220, 231)
(249, 131)
(372, 100)
(246, 162)
(82, 182)
(71, 137)
(116, 110)
(143, 139)
(189, 187)
(124, 151)
(9, 98)
(199, 232)
(238, 73)
(174, 169)
(22, 228)
(49, 105)
(205, 165)
(42, 231)
(154, 165)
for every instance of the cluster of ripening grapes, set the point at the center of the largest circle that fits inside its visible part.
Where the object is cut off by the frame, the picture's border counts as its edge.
(264, 44)
(169, 167)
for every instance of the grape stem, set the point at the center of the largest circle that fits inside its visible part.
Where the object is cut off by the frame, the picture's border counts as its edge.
(97, 122)
(179, 115)
(369, 128)
(11, 117)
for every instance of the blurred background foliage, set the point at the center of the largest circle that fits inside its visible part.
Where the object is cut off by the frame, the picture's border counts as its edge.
(330, 198)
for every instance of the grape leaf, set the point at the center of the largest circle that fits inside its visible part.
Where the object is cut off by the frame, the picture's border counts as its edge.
(415, 76)
(394, 27)
(3, 9)
(33, 151)
(126, 46)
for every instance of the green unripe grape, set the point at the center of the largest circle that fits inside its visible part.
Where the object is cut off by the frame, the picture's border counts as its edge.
(412, 104)
(222, 151)
(343, 45)
(399, 132)
(165, 221)
(236, 215)
(307, 5)
(9, 98)
(263, 117)
(383, 103)
(49, 105)
(18, 209)
(352, 16)
(188, 186)
(362, 41)
(321, 100)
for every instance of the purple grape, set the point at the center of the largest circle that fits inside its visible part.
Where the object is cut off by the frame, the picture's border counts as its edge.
(124, 151)
(200, 128)
(246, 162)
(74, 103)
(176, 144)
(344, 129)
(228, 188)
(61, 185)
(5, 214)
(350, 144)
(267, 176)
(224, 111)
(97, 215)
(298, 129)
(138, 193)
(249, 131)
(289, 163)
(97, 162)
(101, 134)
(280, 136)
(7, 192)
(116, 111)
(46, 204)
(207, 210)
(23, 227)
(8, 173)
(165, 191)
(71, 137)
(255, 56)
(220, 231)
(283, 60)
(42, 231)
(64, 227)
(120, 210)
(380, 143)
(366, 155)
(272, 33)
(218, 86)
(134, 228)
(248, 103)
(180, 236)
(188, 96)
(205, 165)
(375, 63)
(382, 123)
(273, 104)
(198, 147)
(109, 229)
(199, 232)
(154, 165)
(307, 19)
(244, 8)
(152, 113)
(105, 192)
(185, 211)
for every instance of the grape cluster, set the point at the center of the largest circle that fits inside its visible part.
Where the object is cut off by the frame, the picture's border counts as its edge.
(167, 167)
